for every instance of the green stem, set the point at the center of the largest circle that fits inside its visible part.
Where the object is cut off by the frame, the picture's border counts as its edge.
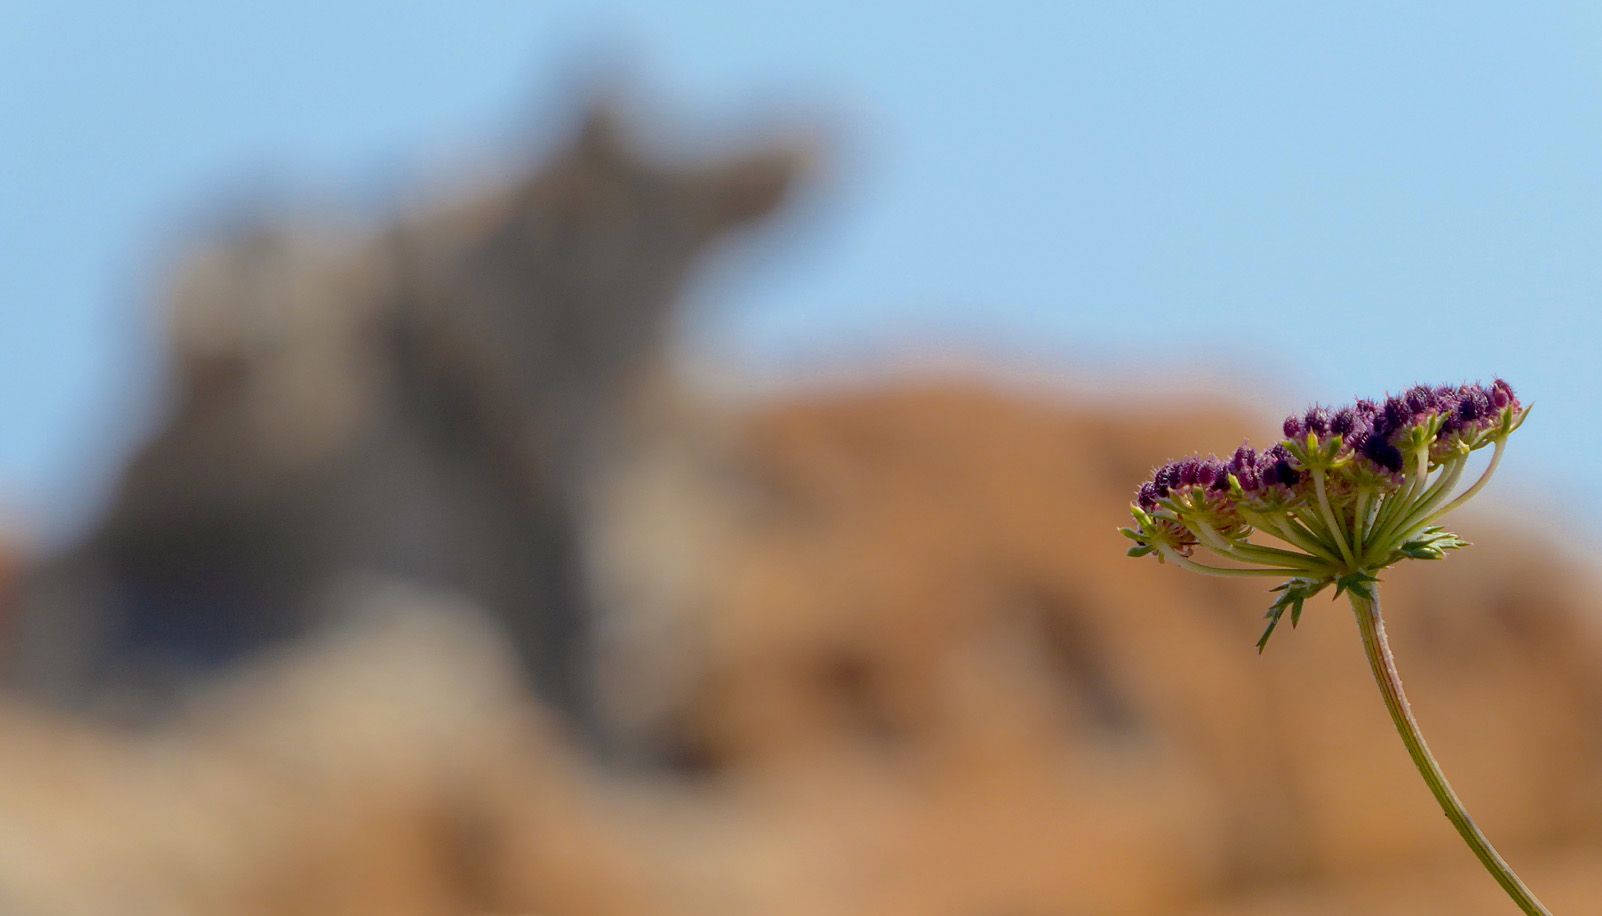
(1290, 536)
(1421, 472)
(1247, 552)
(1385, 537)
(1466, 495)
(1417, 519)
(1360, 519)
(1378, 649)
(1389, 505)
(1184, 562)
(1402, 501)
(1335, 527)
(1310, 525)
(1257, 553)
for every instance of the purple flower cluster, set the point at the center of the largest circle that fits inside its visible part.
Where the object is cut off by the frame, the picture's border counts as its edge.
(1371, 433)
(1256, 471)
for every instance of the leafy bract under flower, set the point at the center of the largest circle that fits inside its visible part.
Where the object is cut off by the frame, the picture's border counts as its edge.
(1347, 492)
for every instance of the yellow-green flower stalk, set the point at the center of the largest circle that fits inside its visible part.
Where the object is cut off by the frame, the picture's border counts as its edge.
(1345, 494)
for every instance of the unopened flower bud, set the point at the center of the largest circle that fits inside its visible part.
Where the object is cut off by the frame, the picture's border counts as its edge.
(1147, 496)
(1502, 395)
(1394, 414)
(1419, 399)
(1187, 471)
(1383, 454)
(1276, 466)
(1166, 478)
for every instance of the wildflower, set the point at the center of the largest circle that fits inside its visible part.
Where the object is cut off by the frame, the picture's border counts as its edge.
(1348, 492)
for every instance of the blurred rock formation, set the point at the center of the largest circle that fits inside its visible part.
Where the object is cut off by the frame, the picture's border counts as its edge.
(433, 400)
(881, 645)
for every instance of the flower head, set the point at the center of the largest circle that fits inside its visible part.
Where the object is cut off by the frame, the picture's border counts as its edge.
(1348, 491)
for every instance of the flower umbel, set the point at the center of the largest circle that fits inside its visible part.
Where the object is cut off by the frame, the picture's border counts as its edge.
(1347, 492)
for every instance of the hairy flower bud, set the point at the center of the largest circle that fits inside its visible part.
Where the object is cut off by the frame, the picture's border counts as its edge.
(1345, 422)
(1277, 467)
(1187, 471)
(1419, 399)
(1473, 405)
(1166, 478)
(1385, 456)
(1394, 415)
(1502, 395)
(1147, 496)
(1251, 478)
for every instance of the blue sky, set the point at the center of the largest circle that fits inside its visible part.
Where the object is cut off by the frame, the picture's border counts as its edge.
(1317, 203)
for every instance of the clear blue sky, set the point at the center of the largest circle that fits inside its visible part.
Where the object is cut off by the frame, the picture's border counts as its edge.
(1333, 201)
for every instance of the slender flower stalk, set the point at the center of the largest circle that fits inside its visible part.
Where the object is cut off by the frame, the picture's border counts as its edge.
(1346, 494)
(1378, 650)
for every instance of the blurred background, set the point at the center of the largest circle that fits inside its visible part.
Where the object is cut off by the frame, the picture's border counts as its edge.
(598, 458)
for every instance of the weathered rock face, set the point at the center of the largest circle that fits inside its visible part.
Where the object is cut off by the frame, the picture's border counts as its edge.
(876, 651)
